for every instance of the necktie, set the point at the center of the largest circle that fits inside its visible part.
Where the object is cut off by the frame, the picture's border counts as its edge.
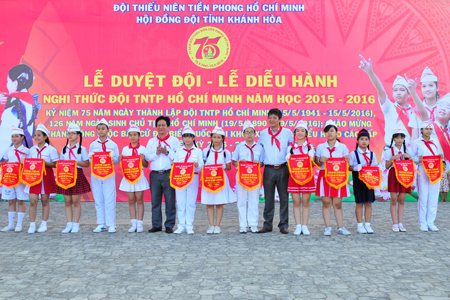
(368, 160)
(295, 147)
(71, 152)
(17, 154)
(274, 137)
(431, 113)
(103, 145)
(428, 143)
(134, 149)
(189, 154)
(216, 156)
(331, 151)
(251, 151)
(40, 151)
(164, 140)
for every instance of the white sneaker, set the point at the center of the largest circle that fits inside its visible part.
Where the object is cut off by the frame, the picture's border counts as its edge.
(210, 230)
(32, 229)
(42, 228)
(139, 228)
(328, 231)
(254, 229)
(344, 231)
(432, 227)
(132, 228)
(179, 230)
(362, 230)
(369, 229)
(112, 229)
(401, 228)
(243, 230)
(424, 228)
(190, 231)
(298, 229)
(68, 228)
(99, 228)
(305, 230)
(18, 229)
(75, 228)
(216, 229)
(395, 228)
(7, 228)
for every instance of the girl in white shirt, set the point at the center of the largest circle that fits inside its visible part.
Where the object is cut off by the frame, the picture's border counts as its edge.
(135, 192)
(74, 151)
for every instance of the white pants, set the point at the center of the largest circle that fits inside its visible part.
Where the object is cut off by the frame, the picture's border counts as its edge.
(186, 200)
(428, 198)
(252, 197)
(104, 192)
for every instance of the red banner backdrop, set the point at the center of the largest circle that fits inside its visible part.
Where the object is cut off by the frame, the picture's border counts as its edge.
(215, 64)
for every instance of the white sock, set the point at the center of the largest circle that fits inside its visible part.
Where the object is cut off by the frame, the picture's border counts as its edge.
(360, 224)
(298, 225)
(33, 224)
(44, 223)
(134, 222)
(140, 223)
(20, 216)
(70, 224)
(76, 224)
(367, 224)
(340, 228)
(11, 215)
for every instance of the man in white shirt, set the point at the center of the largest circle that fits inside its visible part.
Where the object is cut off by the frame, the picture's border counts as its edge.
(275, 141)
(160, 152)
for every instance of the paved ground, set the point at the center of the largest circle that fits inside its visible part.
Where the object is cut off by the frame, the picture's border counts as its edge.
(386, 265)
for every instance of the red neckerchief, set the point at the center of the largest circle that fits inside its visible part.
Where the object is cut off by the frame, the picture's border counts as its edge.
(251, 150)
(216, 155)
(188, 154)
(71, 152)
(134, 149)
(103, 145)
(444, 139)
(295, 147)
(274, 137)
(428, 143)
(331, 151)
(403, 116)
(40, 151)
(17, 152)
(399, 152)
(24, 96)
(164, 140)
(368, 160)
(431, 111)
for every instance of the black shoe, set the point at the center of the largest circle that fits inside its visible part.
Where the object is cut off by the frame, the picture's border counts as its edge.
(169, 230)
(155, 229)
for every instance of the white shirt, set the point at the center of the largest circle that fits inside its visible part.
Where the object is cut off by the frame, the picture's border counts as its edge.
(49, 153)
(242, 152)
(161, 162)
(96, 146)
(273, 156)
(420, 149)
(304, 147)
(83, 156)
(10, 155)
(354, 161)
(392, 121)
(196, 156)
(341, 150)
(388, 153)
(210, 160)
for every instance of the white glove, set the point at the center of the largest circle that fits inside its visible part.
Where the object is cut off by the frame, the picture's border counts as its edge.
(357, 168)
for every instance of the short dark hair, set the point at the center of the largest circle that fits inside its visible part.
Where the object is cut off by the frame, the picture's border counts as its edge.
(167, 119)
(328, 127)
(275, 111)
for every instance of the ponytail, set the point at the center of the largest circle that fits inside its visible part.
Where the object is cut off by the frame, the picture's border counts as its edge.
(64, 149)
(81, 140)
(195, 144)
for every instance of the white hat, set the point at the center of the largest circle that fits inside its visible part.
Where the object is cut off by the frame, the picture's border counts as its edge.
(248, 124)
(301, 124)
(399, 129)
(426, 124)
(444, 100)
(16, 130)
(73, 128)
(400, 80)
(330, 122)
(218, 130)
(134, 128)
(187, 130)
(42, 128)
(428, 75)
(103, 121)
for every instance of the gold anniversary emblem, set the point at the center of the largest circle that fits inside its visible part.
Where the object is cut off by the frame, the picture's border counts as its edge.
(182, 172)
(430, 165)
(130, 165)
(66, 169)
(9, 170)
(103, 161)
(300, 164)
(249, 171)
(405, 169)
(214, 173)
(32, 167)
(336, 168)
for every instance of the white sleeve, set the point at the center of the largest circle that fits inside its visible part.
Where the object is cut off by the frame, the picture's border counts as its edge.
(228, 157)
